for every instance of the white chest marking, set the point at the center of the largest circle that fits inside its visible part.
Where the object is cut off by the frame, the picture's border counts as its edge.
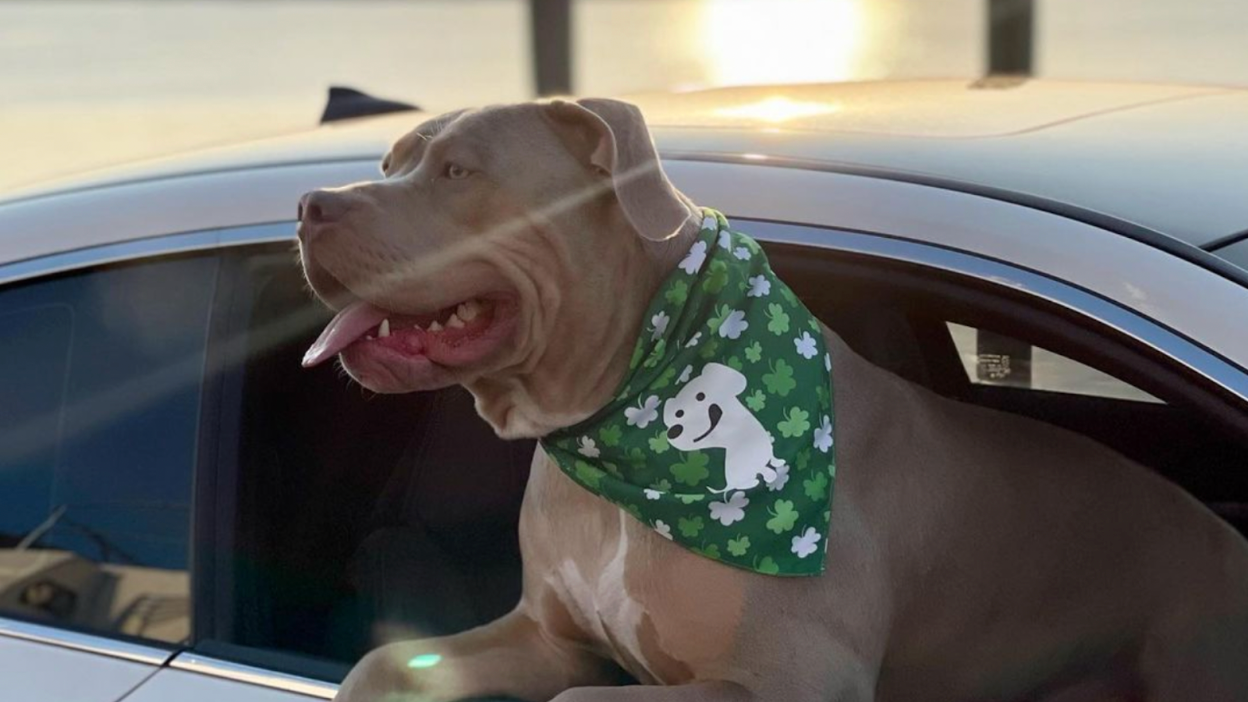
(604, 605)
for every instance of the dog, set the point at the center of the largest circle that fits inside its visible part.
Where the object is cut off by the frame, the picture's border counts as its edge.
(973, 555)
(707, 414)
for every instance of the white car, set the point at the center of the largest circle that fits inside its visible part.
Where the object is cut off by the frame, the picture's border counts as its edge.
(186, 513)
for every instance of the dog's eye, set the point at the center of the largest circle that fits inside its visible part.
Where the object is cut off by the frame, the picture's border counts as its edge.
(701, 396)
(454, 171)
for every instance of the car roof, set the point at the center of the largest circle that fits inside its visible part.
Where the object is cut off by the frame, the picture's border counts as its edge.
(1167, 157)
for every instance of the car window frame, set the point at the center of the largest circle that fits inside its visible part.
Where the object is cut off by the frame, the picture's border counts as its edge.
(1220, 374)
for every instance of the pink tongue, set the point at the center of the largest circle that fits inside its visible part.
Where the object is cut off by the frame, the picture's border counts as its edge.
(347, 326)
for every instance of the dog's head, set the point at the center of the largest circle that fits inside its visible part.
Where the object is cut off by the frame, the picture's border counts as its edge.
(699, 408)
(492, 253)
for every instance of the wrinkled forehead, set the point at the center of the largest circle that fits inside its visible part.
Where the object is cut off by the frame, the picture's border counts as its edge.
(410, 146)
(476, 125)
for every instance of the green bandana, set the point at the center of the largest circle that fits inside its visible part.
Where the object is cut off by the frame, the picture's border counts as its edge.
(720, 438)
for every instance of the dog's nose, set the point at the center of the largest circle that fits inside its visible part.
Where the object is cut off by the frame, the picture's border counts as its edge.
(322, 207)
(675, 431)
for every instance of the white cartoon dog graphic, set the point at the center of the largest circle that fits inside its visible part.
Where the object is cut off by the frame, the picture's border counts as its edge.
(707, 414)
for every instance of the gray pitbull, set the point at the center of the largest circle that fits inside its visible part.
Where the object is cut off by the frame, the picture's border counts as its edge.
(974, 555)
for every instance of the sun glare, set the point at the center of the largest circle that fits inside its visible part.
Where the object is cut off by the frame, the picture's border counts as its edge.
(782, 41)
(777, 109)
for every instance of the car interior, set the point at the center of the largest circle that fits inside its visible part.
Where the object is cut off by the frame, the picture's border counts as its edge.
(342, 519)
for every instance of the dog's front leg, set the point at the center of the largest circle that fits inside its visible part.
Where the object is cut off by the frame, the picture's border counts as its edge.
(509, 657)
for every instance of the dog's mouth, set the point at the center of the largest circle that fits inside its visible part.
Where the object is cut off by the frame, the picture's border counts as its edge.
(716, 414)
(455, 336)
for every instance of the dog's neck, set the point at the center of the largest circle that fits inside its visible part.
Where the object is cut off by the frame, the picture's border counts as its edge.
(583, 359)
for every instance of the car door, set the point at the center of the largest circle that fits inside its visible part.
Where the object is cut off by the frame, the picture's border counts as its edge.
(100, 370)
(299, 469)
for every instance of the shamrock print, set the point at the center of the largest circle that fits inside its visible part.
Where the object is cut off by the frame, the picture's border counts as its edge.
(656, 354)
(692, 470)
(823, 435)
(782, 478)
(677, 294)
(664, 379)
(803, 459)
(659, 322)
(719, 317)
(816, 488)
(795, 422)
(610, 435)
(734, 325)
(783, 516)
(689, 528)
(716, 279)
(779, 319)
(588, 447)
(827, 362)
(759, 287)
(756, 402)
(644, 413)
(806, 544)
(692, 263)
(709, 550)
(588, 474)
(780, 380)
(739, 546)
(705, 313)
(731, 510)
(806, 345)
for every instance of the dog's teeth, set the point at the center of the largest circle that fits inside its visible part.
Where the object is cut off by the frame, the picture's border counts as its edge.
(468, 311)
(384, 330)
(417, 327)
(455, 322)
(435, 327)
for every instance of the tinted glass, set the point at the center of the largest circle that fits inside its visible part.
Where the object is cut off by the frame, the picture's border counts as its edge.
(995, 359)
(100, 376)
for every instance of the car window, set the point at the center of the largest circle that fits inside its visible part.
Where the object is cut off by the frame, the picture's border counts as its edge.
(990, 358)
(100, 375)
(350, 518)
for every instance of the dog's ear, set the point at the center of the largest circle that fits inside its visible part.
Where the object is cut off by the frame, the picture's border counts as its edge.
(725, 378)
(611, 136)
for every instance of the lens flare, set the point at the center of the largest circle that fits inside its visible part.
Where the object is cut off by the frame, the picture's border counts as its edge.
(424, 660)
